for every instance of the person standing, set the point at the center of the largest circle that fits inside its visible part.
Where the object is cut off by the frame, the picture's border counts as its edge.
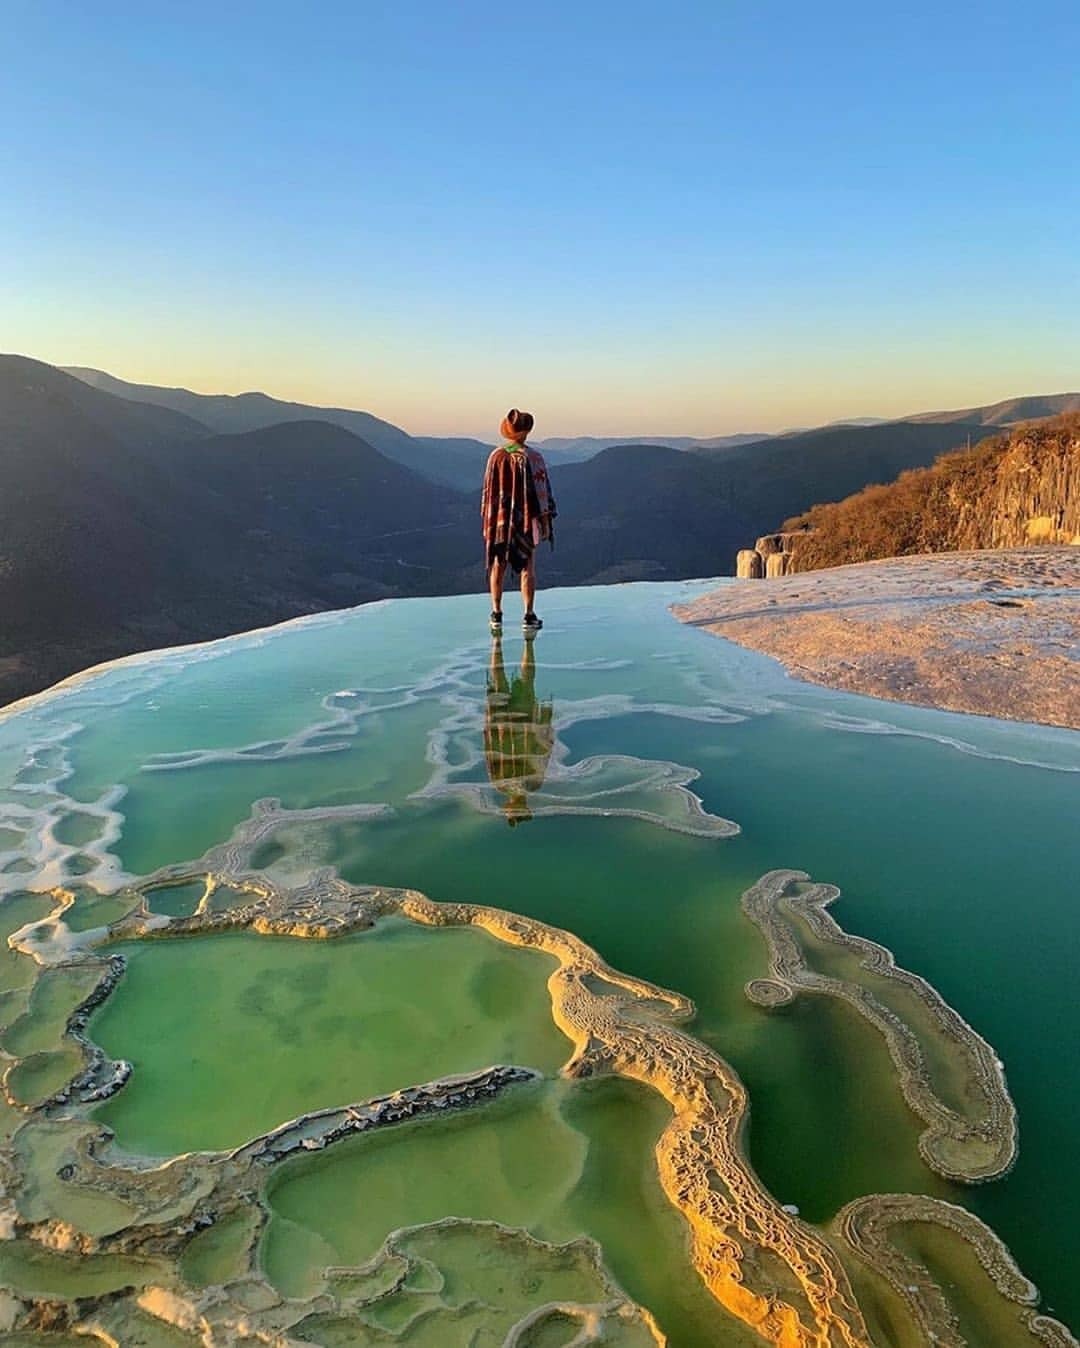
(517, 511)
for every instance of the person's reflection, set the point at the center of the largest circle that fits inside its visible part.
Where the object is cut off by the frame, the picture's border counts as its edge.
(518, 733)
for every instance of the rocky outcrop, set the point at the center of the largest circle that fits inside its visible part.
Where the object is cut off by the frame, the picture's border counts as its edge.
(1013, 491)
(771, 556)
(749, 564)
(322, 1128)
(101, 1075)
(1033, 495)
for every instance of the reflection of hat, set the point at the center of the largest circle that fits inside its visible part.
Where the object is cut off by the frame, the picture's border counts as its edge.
(516, 809)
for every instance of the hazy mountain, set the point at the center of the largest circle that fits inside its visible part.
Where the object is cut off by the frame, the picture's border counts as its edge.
(636, 512)
(131, 421)
(81, 506)
(227, 413)
(731, 441)
(576, 449)
(643, 512)
(341, 515)
(114, 539)
(774, 478)
(452, 460)
(1012, 410)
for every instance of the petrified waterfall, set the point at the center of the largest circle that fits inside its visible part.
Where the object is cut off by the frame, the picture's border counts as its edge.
(772, 555)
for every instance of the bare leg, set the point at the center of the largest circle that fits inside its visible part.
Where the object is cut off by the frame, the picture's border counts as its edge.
(528, 584)
(496, 576)
(497, 680)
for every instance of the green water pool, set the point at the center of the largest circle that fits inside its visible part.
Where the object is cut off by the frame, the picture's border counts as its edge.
(231, 1035)
(953, 839)
(560, 1160)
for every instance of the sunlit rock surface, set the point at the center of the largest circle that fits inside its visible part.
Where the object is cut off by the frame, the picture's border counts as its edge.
(543, 1083)
(996, 633)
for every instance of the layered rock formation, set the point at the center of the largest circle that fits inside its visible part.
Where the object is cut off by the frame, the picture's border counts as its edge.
(771, 556)
(1016, 489)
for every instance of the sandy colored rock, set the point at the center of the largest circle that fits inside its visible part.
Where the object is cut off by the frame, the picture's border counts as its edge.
(867, 1226)
(996, 633)
(970, 1144)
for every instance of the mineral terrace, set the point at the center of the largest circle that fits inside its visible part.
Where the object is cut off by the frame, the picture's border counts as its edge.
(996, 633)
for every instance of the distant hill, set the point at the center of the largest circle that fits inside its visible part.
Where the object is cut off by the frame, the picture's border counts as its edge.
(580, 448)
(457, 461)
(732, 441)
(115, 537)
(1011, 411)
(786, 474)
(857, 421)
(576, 449)
(81, 507)
(327, 515)
(1017, 488)
(133, 422)
(644, 512)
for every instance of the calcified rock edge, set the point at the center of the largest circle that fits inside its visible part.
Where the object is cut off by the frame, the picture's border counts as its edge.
(993, 633)
(781, 1277)
(867, 1225)
(977, 1144)
(616, 1023)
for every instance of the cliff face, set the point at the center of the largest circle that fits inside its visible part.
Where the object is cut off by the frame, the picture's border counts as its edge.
(1032, 494)
(1015, 489)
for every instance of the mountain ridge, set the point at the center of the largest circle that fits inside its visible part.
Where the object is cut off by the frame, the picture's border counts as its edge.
(230, 412)
(126, 525)
(133, 421)
(1009, 411)
(441, 458)
(109, 545)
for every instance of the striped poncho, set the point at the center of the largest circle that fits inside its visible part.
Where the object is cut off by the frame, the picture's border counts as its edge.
(517, 508)
(519, 734)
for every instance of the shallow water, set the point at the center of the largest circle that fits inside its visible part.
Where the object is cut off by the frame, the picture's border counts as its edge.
(33, 1271)
(952, 838)
(560, 1160)
(231, 1035)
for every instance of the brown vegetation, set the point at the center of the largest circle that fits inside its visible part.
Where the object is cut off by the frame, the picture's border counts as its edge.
(1023, 487)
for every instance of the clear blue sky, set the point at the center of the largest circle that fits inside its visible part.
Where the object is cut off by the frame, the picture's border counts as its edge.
(674, 217)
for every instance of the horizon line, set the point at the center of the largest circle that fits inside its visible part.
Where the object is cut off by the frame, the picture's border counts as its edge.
(630, 437)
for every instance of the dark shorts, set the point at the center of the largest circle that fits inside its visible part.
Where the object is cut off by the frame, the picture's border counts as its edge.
(518, 560)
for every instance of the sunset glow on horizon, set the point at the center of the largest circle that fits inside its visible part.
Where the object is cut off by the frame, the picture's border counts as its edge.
(687, 221)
